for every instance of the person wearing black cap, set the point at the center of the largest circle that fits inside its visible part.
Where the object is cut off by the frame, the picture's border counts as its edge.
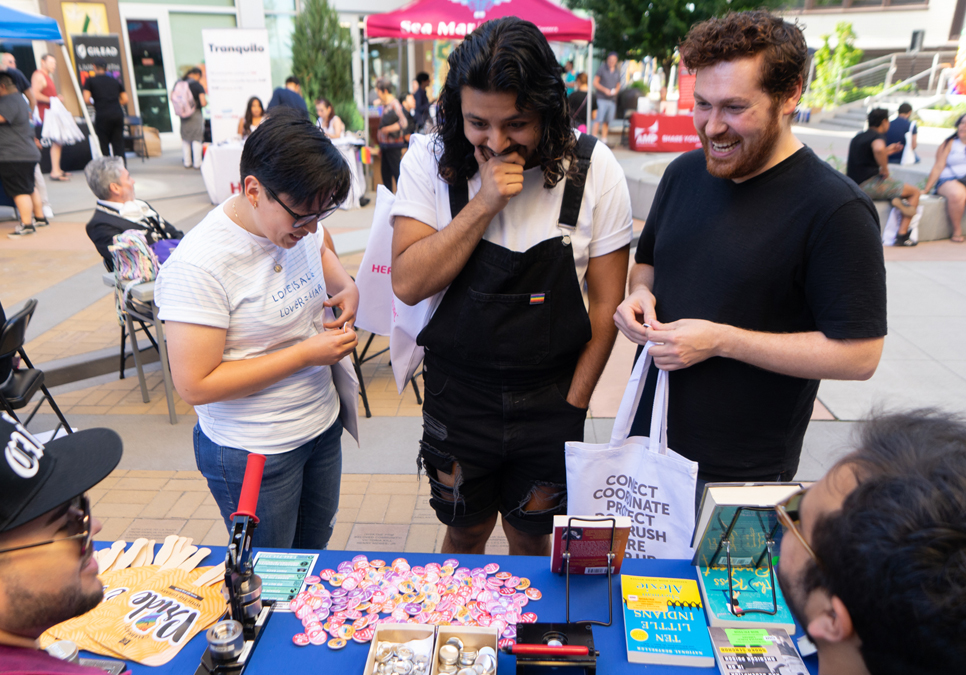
(107, 95)
(47, 570)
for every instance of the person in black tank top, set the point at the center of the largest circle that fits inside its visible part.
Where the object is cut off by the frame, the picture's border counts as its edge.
(868, 166)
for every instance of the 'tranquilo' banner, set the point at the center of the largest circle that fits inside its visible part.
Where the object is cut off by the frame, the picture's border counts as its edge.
(237, 67)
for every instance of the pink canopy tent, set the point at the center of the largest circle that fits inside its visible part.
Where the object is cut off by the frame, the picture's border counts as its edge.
(455, 19)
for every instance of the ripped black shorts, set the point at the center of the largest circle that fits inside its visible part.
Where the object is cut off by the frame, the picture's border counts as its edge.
(508, 442)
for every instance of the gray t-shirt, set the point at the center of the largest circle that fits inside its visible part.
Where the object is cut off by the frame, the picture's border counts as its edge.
(16, 134)
(608, 80)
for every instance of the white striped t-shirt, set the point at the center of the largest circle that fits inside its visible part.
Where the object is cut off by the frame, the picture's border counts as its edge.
(223, 276)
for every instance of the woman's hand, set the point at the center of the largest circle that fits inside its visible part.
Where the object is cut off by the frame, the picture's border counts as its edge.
(348, 301)
(330, 347)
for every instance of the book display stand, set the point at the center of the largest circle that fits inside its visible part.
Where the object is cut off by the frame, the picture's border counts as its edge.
(768, 554)
(553, 645)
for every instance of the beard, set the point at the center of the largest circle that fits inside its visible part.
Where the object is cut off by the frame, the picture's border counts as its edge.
(753, 152)
(31, 610)
(794, 593)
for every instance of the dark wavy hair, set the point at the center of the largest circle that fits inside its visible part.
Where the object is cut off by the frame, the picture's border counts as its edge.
(293, 157)
(505, 55)
(739, 35)
(895, 553)
(248, 113)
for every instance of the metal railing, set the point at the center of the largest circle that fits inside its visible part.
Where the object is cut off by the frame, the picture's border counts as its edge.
(854, 83)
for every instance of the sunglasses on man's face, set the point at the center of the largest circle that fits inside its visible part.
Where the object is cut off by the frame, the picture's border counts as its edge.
(789, 515)
(300, 220)
(78, 526)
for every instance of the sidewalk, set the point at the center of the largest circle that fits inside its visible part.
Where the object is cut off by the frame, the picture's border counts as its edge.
(156, 490)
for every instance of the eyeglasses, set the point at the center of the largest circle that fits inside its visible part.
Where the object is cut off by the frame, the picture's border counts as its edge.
(300, 220)
(78, 526)
(789, 516)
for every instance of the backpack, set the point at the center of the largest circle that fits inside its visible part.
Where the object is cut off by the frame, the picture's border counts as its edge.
(183, 100)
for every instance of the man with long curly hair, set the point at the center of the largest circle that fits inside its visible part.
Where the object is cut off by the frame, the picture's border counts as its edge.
(759, 271)
(508, 216)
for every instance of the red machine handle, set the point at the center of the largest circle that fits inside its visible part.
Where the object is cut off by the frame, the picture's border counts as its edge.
(250, 486)
(547, 650)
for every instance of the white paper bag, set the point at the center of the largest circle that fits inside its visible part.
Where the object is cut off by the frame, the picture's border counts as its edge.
(637, 477)
(891, 228)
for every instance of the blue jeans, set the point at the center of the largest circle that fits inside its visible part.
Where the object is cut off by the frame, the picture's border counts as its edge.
(299, 497)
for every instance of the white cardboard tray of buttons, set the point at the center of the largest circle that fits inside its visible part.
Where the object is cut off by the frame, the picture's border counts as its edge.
(398, 634)
(473, 639)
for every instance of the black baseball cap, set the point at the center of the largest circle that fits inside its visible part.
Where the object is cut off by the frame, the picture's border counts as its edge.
(36, 478)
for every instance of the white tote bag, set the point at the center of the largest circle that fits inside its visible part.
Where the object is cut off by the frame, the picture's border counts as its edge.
(637, 477)
(59, 125)
(373, 278)
(908, 154)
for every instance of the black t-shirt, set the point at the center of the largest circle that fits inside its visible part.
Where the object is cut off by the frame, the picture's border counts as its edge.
(795, 249)
(106, 92)
(196, 90)
(862, 165)
(578, 111)
(19, 79)
(422, 107)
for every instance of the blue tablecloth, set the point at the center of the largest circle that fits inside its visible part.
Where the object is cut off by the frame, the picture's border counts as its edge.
(276, 653)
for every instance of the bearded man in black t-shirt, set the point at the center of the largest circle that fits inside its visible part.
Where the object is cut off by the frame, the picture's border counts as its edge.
(759, 271)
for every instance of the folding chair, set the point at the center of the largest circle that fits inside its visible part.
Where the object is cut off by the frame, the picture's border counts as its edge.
(140, 309)
(24, 382)
(134, 132)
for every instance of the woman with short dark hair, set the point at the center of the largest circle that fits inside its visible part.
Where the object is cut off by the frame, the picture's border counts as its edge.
(243, 299)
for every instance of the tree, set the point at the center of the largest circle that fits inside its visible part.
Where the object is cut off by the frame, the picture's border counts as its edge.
(639, 28)
(830, 65)
(322, 60)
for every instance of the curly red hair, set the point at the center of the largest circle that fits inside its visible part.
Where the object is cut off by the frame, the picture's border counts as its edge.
(740, 35)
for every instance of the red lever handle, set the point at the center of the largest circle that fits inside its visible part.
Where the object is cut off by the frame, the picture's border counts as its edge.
(548, 650)
(250, 486)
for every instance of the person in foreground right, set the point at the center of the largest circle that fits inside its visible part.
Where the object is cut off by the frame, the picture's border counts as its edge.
(760, 270)
(873, 561)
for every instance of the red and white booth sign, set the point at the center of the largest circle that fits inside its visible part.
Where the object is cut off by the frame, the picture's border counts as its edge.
(663, 133)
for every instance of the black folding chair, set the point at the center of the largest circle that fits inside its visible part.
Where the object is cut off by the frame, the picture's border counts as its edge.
(134, 132)
(24, 382)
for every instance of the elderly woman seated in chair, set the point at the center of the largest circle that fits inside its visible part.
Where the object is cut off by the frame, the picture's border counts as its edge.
(118, 211)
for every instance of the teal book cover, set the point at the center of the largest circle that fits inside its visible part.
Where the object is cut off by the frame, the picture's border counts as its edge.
(752, 590)
(664, 622)
(750, 530)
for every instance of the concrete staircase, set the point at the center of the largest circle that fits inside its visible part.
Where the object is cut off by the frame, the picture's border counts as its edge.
(852, 116)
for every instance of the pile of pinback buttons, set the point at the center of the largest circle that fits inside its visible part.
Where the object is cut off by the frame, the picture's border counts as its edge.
(366, 592)
(411, 658)
(454, 659)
